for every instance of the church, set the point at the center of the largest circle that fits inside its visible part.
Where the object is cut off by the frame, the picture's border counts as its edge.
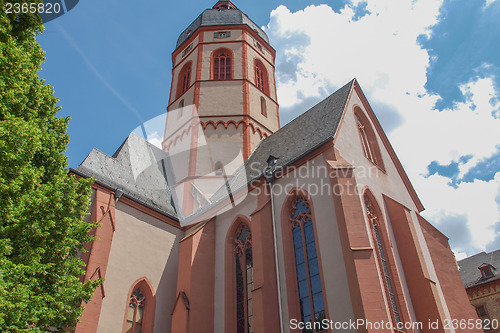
(239, 225)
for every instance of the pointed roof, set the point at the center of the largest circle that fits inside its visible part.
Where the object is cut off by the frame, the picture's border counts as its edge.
(224, 5)
(219, 15)
(469, 268)
(304, 134)
(308, 132)
(301, 136)
(137, 168)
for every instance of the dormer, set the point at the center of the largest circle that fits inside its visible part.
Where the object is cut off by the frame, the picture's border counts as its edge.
(487, 271)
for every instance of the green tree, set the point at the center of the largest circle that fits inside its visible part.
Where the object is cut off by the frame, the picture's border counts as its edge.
(42, 230)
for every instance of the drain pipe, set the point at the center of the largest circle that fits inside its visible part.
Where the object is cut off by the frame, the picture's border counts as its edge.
(269, 175)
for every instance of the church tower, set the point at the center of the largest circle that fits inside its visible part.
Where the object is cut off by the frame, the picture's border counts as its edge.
(223, 65)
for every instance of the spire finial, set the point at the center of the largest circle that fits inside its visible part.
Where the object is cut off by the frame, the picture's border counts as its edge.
(221, 5)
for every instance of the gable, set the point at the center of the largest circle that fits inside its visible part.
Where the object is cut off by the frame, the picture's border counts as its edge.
(137, 169)
(303, 135)
(388, 171)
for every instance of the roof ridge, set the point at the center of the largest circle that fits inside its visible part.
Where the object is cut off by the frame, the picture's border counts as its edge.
(303, 114)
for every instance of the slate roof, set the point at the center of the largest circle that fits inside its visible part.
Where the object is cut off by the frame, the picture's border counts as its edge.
(211, 17)
(296, 139)
(137, 168)
(469, 268)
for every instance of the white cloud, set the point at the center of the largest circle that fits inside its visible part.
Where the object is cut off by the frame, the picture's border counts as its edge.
(150, 130)
(155, 139)
(381, 51)
(445, 136)
(468, 129)
(488, 3)
(460, 255)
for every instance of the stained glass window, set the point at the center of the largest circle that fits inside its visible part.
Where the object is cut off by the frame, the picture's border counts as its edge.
(135, 312)
(244, 280)
(312, 308)
(374, 219)
(222, 65)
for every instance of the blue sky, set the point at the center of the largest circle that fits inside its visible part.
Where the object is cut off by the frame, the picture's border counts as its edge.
(430, 69)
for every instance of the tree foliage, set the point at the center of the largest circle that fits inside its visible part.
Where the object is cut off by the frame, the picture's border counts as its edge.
(42, 230)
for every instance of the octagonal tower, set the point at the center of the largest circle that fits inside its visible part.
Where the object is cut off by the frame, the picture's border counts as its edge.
(223, 64)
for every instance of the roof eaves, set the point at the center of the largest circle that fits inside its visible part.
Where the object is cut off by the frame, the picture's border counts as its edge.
(81, 172)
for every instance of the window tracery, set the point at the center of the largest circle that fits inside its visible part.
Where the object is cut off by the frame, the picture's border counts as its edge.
(222, 65)
(368, 139)
(364, 140)
(261, 76)
(135, 312)
(244, 280)
(184, 79)
(374, 220)
(312, 308)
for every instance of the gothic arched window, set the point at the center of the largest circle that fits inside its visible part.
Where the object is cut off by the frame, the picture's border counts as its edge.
(184, 79)
(372, 211)
(135, 312)
(244, 279)
(222, 65)
(261, 76)
(140, 309)
(312, 308)
(368, 139)
(263, 107)
(364, 140)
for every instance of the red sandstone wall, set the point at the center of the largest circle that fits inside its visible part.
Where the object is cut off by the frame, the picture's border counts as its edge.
(266, 314)
(197, 279)
(423, 291)
(367, 296)
(103, 211)
(447, 273)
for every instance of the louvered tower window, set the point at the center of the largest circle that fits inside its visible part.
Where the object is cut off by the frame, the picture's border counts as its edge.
(222, 65)
(184, 80)
(261, 76)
